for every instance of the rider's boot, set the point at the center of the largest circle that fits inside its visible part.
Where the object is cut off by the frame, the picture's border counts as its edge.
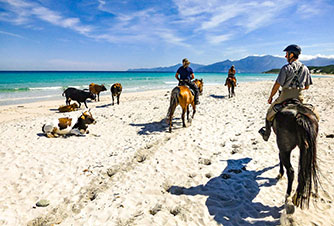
(265, 131)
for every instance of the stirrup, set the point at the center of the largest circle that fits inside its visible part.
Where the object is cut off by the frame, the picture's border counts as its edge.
(262, 131)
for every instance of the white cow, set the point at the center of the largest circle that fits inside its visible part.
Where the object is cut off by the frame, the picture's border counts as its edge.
(68, 125)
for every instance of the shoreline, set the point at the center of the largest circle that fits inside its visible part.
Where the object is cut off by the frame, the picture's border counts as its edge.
(30, 89)
(130, 171)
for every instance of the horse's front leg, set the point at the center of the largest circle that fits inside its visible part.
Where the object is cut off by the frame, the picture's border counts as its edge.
(188, 113)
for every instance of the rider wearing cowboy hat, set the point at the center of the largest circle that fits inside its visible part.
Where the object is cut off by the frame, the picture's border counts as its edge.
(186, 75)
(293, 78)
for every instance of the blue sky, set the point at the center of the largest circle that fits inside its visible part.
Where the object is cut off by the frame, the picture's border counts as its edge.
(118, 35)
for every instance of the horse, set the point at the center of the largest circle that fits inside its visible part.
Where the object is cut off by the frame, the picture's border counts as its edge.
(181, 95)
(199, 84)
(298, 126)
(231, 83)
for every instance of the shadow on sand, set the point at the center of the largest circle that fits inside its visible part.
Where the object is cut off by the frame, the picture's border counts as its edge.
(231, 195)
(104, 106)
(217, 96)
(148, 128)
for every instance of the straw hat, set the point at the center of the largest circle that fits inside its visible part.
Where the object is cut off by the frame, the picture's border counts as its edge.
(185, 62)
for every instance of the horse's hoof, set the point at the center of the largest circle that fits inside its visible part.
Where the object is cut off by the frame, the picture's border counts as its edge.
(289, 207)
(279, 176)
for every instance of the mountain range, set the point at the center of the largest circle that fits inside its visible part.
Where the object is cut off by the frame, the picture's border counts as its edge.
(251, 64)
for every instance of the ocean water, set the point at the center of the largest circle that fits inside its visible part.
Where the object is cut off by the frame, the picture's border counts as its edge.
(33, 86)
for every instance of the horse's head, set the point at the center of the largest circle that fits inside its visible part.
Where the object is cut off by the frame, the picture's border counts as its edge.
(199, 84)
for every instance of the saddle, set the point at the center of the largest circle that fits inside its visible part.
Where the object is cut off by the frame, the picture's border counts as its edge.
(183, 83)
(232, 79)
(296, 107)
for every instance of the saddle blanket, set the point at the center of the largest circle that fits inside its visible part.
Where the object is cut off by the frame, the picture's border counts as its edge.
(295, 106)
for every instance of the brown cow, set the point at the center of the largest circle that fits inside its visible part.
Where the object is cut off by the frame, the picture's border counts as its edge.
(96, 89)
(116, 90)
(68, 108)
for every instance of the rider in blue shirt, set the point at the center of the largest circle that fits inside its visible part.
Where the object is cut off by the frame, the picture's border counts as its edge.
(186, 75)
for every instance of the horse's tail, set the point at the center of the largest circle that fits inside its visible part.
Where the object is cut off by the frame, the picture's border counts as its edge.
(174, 101)
(307, 130)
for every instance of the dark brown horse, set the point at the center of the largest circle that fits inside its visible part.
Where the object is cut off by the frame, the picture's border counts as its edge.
(298, 126)
(231, 83)
(181, 95)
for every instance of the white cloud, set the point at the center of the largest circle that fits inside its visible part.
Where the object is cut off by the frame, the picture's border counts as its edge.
(216, 39)
(11, 34)
(56, 19)
(310, 57)
(312, 8)
(169, 37)
(212, 14)
(22, 12)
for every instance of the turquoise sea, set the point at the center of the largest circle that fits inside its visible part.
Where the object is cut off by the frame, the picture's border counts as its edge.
(17, 87)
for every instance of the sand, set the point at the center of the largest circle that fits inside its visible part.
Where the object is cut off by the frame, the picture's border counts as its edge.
(130, 171)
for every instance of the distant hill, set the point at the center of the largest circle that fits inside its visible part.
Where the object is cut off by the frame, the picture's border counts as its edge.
(168, 69)
(329, 69)
(248, 64)
(272, 71)
(252, 64)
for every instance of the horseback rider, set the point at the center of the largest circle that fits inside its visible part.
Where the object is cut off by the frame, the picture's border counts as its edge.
(293, 77)
(186, 75)
(231, 74)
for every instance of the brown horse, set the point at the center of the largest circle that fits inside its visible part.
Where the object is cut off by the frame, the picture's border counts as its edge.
(199, 84)
(231, 83)
(298, 127)
(181, 95)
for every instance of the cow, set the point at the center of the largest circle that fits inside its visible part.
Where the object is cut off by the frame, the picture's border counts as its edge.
(116, 90)
(68, 108)
(69, 126)
(96, 89)
(77, 95)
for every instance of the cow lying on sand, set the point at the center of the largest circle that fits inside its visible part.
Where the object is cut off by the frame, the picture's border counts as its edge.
(69, 126)
(116, 90)
(96, 89)
(68, 108)
(77, 95)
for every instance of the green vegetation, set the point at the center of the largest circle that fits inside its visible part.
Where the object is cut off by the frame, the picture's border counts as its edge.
(313, 69)
(322, 70)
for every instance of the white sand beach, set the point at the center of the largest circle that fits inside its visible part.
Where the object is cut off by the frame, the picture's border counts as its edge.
(130, 171)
